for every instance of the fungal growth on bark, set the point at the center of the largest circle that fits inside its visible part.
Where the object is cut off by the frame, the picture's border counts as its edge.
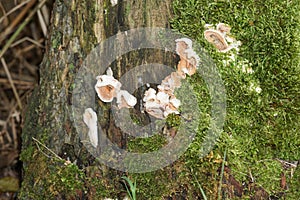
(157, 103)
(189, 60)
(90, 119)
(125, 99)
(107, 87)
(164, 102)
(220, 37)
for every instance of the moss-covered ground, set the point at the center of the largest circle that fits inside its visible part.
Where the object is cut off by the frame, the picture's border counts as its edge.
(262, 123)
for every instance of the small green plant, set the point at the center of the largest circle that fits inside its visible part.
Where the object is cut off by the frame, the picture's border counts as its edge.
(131, 191)
(199, 185)
(222, 173)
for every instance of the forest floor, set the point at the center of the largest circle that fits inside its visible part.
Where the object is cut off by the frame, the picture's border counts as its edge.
(21, 49)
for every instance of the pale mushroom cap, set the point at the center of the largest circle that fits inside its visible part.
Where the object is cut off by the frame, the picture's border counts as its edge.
(152, 104)
(188, 57)
(125, 99)
(169, 110)
(192, 54)
(223, 28)
(174, 80)
(90, 119)
(187, 41)
(155, 109)
(181, 47)
(107, 87)
(109, 72)
(155, 106)
(150, 95)
(163, 87)
(175, 102)
(216, 38)
(163, 98)
(187, 66)
(104, 80)
(170, 83)
(156, 112)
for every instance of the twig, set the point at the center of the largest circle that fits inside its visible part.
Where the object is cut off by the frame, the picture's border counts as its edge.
(11, 83)
(13, 10)
(39, 143)
(20, 28)
(27, 39)
(18, 82)
(42, 23)
(9, 29)
(3, 11)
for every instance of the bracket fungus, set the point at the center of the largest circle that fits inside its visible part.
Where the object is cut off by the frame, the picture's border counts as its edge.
(159, 103)
(152, 105)
(107, 87)
(90, 119)
(220, 37)
(170, 83)
(223, 28)
(189, 60)
(163, 102)
(125, 99)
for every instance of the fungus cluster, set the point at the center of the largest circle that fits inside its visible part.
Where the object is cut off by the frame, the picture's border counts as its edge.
(220, 37)
(163, 102)
(158, 103)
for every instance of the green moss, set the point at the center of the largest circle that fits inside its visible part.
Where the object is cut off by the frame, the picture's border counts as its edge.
(100, 189)
(65, 178)
(145, 187)
(173, 120)
(56, 39)
(293, 183)
(259, 127)
(127, 9)
(54, 178)
(144, 145)
(26, 154)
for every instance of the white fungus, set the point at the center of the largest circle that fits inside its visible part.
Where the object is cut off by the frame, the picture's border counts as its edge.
(90, 119)
(220, 37)
(114, 2)
(189, 60)
(125, 99)
(107, 86)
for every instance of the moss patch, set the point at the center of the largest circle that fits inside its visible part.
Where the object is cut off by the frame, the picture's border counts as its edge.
(52, 179)
(260, 125)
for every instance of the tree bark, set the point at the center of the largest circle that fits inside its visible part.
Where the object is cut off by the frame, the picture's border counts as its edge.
(50, 139)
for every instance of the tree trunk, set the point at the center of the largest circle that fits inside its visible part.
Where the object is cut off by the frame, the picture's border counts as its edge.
(56, 163)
